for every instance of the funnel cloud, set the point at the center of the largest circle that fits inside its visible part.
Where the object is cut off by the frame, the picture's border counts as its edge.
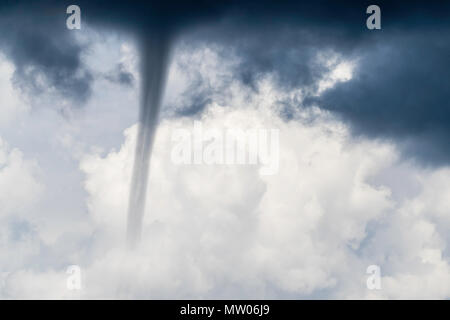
(154, 58)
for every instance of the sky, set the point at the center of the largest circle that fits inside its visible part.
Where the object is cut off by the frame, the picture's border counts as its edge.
(364, 160)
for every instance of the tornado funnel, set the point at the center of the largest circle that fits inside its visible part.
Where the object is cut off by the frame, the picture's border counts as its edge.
(154, 60)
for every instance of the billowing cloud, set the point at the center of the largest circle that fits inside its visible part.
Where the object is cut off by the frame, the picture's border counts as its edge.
(20, 189)
(225, 231)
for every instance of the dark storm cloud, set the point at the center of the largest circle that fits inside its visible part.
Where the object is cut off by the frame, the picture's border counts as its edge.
(46, 58)
(399, 90)
(36, 38)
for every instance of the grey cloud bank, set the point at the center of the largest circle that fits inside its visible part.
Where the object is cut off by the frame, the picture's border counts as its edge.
(399, 91)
